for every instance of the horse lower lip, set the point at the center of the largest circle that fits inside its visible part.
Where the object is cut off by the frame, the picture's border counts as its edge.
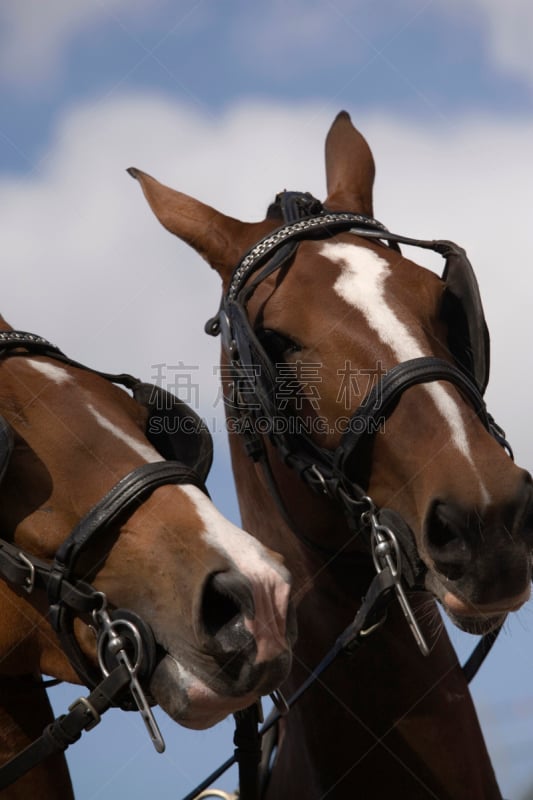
(478, 626)
(466, 610)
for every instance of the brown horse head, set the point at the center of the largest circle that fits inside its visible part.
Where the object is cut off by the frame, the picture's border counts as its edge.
(215, 599)
(342, 310)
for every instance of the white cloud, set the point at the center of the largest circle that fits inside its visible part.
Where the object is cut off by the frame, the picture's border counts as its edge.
(508, 29)
(91, 268)
(511, 35)
(307, 29)
(35, 34)
(267, 32)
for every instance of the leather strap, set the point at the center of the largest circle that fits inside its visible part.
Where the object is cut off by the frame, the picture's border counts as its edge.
(248, 751)
(382, 398)
(12, 342)
(479, 654)
(126, 495)
(27, 572)
(6, 445)
(83, 715)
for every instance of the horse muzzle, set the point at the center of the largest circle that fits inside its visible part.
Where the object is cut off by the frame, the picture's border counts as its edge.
(243, 650)
(479, 585)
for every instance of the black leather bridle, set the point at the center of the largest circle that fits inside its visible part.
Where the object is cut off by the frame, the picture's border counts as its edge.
(330, 472)
(125, 643)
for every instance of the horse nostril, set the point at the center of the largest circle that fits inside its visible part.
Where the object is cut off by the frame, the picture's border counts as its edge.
(447, 540)
(227, 597)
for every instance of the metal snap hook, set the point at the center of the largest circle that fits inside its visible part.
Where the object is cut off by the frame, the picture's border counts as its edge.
(385, 549)
(386, 554)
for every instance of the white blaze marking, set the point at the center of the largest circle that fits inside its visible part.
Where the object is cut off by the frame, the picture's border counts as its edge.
(59, 375)
(54, 372)
(142, 449)
(269, 579)
(362, 285)
(242, 549)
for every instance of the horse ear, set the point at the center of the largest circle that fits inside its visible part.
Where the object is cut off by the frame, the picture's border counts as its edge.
(349, 168)
(221, 240)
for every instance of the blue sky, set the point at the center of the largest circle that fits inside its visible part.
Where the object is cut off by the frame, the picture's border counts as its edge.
(230, 102)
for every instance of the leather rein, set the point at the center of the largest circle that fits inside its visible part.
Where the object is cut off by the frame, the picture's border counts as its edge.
(125, 642)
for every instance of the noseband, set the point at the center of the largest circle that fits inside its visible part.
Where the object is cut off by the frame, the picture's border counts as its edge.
(126, 646)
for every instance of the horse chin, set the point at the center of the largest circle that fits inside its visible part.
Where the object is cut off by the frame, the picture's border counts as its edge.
(478, 626)
(188, 700)
(466, 615)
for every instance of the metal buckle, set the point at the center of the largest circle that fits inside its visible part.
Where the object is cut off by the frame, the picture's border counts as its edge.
(29, 581)
(88, 707)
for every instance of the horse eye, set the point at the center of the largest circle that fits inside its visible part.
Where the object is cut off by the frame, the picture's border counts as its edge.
(276, 344)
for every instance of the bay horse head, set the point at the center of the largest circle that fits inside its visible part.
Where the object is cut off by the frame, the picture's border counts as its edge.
(344, 309)
(354, 378)
(103, 537)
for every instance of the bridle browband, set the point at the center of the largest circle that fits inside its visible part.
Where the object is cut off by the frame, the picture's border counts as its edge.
(125, 643)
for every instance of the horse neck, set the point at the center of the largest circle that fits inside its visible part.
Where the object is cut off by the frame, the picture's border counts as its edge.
(24, 713)
(386, 710)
